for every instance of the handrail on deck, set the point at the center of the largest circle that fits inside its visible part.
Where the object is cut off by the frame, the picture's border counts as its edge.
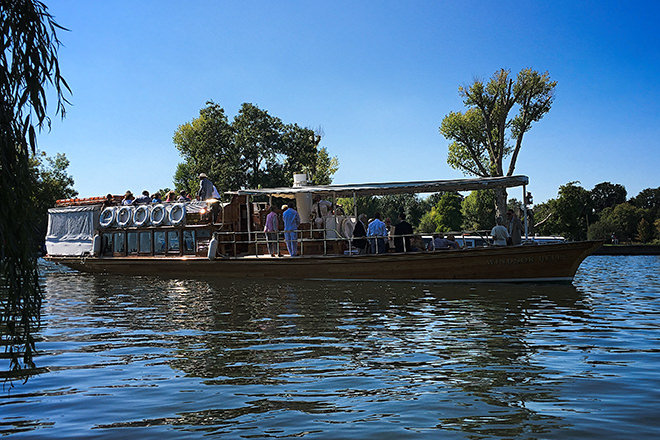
(257, 238)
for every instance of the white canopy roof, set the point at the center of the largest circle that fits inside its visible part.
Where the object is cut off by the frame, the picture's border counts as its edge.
(368, 189)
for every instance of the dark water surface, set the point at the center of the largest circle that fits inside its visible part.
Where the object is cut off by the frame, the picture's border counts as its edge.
(146, 357)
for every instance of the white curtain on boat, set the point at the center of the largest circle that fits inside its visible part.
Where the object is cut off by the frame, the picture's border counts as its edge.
(71, 230)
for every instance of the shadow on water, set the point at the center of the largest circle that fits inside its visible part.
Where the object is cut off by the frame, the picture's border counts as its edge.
(357, 360)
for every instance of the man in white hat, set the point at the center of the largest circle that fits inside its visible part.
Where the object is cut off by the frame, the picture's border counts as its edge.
(205, 188)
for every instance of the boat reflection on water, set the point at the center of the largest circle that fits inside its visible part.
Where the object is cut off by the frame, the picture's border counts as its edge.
(389, 356)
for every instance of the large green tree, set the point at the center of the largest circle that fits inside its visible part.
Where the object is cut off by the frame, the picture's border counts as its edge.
(491, 130)
(607, 195)
(478, 210)
(28, 67)
(255, 149)
(648, 198)
(445, 216)
(621, 220)
(570, 214)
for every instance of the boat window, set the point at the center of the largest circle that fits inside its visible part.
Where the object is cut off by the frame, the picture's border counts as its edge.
(106, 246)
(159, 242)
(189, 242)
(144, 245)
(119, 244)
(132, 242)
(203, 233)
(173, 241)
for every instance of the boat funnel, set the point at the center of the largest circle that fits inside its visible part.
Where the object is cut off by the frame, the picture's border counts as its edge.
(300, 179)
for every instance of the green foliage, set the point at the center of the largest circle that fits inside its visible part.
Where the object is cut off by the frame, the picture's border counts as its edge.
(29, 66)
(255, 150)
(607, 195)
(648, 198)
(644, 231)
(498, 115)
(389, 206)
(622, 220)
(445, 216)
(546, 221)
(478, 210)
(569, 215)
(51, 182)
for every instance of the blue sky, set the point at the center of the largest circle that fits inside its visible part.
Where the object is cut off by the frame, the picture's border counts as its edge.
(377, 76)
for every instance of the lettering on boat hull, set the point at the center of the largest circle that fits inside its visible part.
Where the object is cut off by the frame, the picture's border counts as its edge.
(541, 259)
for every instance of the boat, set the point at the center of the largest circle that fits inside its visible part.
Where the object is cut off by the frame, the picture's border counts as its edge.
(225, 239)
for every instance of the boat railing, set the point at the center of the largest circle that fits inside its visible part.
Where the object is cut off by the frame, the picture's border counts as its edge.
(255, 240)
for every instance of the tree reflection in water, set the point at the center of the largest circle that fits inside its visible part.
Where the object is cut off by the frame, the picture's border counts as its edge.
(324, 356)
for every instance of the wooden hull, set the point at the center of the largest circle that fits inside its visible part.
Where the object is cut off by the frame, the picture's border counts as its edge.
(548, 262)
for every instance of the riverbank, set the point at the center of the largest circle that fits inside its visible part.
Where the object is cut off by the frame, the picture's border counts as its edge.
(622, 249)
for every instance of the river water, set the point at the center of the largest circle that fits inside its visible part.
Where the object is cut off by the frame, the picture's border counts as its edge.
(147, 357)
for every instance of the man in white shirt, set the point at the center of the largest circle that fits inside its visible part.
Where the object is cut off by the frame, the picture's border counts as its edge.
(499, 233)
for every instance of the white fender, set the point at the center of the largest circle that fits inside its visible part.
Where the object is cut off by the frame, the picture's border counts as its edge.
(124, 216)
(177, 214)
(141, 215)
(107, 217)
(158, 214)
(213, 248)
(96, 245)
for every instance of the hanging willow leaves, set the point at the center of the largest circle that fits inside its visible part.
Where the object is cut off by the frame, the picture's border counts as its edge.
(28, 68)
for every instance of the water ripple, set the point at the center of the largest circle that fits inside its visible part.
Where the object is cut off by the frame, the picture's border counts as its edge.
(172, 358)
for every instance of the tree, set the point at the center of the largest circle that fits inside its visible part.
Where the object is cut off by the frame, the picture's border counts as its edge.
(51, 182)
(485, 135)
(29, 66)
(621, 220)
(573, 210)
(568, 215)
(607, 195)
(648, 198)
(444, 216)
(256, 149)
(478, 210)
(644, 231)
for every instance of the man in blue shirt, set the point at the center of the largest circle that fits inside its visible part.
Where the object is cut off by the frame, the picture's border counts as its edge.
(378, 231)
(291, 221)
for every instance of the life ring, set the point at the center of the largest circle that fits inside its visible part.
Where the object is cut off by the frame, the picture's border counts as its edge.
(107, 217)
(124, 216)
(141, 215)
(177, 214)
(157, 216)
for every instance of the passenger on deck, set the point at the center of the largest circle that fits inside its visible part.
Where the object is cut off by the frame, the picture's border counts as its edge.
(439, 242)
(389, 242)
(143, 199)
(109, 201)
(155, 198)
(378, 231)
(499, 233)
(205, 188)
(291, 221)
(170, 197)
(402, 228)
(514, 226)
(320, 209)
(128, 198)
(271, 228)
(359, 234)
(183, 196)
(452, 242)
